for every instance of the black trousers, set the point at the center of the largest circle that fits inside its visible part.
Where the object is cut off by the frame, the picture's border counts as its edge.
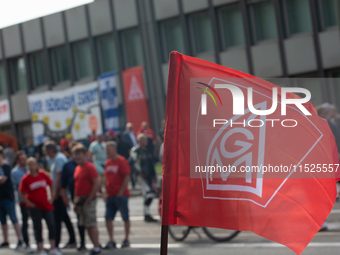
(81, 230)
(37, 215)
(24, 226)
(60, 214)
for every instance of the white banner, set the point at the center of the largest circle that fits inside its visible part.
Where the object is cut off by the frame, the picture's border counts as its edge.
(5, 115)
(75, 111)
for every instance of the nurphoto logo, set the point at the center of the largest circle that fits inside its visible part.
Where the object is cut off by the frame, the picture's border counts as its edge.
(238, 103)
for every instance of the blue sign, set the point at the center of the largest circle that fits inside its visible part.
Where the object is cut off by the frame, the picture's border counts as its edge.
(107, 84)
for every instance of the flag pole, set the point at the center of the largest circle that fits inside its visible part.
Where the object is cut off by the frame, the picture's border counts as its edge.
(164, 239)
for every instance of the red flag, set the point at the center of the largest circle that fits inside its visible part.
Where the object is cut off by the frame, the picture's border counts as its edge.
(292, 194)
(134, 95)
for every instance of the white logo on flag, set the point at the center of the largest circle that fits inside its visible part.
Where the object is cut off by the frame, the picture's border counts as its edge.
(248, 151)
(213, 156)
(135, 91)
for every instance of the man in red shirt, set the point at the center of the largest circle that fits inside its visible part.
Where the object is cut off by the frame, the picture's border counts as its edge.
(32, 191)
(86, 185)
(117, 176)
(144, 128)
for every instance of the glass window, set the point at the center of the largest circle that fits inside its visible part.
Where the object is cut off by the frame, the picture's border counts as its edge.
(83, 59)
(328, 13)
(202, 36)
(24, 131)
(107, 54)
(172, 37)
(19, 74)
(264, 27)
(315, 88)
(311, 82)
(133, 49)
(232, 26)
(38, 69)
(3, 83)
(60, 64)
(336, 76)
(299, 16)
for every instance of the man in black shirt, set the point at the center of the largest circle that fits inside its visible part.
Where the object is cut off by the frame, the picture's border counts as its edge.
(7, 202)
(123, 148)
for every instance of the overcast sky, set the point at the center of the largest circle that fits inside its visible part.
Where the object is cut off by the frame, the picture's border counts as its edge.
(17, 11)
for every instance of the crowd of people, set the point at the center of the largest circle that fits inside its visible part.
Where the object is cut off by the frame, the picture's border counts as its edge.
(47, 180)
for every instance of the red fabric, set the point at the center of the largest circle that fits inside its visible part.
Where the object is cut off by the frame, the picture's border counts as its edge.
(35, 189)
(63, 144)
(83, 178)
(135, 99)
(111, 133)
(11, 140)
(115, 171)
(289, 210)
(93, 138)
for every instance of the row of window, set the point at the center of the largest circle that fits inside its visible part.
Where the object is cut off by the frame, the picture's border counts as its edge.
(263, 25)
(297, 19)
(82, 56)
(3, 87)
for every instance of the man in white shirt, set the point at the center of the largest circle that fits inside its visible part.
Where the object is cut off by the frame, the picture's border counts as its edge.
(98, 153)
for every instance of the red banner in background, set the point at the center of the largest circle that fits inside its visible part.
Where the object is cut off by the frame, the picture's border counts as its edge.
(136, 105)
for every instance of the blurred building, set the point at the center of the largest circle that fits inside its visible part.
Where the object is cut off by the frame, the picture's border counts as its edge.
(267, 38)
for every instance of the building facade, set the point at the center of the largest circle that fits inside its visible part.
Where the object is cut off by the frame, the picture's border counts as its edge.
(267, 38)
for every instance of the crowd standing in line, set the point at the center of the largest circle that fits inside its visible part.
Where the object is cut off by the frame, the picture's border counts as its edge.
(48, 179)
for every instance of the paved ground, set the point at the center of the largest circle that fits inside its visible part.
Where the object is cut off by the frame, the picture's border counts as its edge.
(145, 238)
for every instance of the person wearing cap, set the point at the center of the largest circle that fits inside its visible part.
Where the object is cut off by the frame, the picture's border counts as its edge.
(111, 136)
